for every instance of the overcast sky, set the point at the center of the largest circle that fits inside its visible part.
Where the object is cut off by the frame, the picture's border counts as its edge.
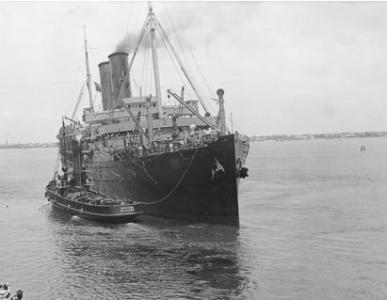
(286, 67)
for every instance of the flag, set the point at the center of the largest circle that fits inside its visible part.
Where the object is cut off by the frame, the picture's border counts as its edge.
(97, 87)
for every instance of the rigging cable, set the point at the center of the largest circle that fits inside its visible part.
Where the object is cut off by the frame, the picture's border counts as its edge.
(177, 184)
(135, 81)
(190, 80)
(173, 62)
(116, 101)
(79, 99)
(144, 62)
(203, 78)
(183, 52)
(175, 32)
(194, 59)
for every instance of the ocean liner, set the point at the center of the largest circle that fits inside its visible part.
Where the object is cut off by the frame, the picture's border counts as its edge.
(176, 160)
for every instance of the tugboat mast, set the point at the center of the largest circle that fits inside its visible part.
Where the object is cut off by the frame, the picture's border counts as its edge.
(88, 80)
(152, 23)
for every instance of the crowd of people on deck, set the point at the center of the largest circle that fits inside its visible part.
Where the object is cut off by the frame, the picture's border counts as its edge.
(194, 137)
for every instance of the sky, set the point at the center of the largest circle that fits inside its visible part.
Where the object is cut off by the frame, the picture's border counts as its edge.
(286, 67)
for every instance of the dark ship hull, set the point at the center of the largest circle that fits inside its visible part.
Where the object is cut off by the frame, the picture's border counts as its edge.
(199, 184)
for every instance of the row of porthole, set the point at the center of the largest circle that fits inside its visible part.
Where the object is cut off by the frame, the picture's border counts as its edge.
(103, 167)
(140, 105)
(107, 180)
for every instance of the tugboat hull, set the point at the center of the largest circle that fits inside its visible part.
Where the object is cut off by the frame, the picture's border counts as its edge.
(100, 213)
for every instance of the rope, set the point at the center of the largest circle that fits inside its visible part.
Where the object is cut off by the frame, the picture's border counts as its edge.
(147, 173)
(175, 32)
(173, 62)
(56, 166)
(145, 63)
(204, 80)
(177, 184)
(184, 50)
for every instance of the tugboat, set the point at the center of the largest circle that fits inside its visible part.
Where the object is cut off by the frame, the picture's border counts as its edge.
(75, 196)
(177, 160)
(92, 206)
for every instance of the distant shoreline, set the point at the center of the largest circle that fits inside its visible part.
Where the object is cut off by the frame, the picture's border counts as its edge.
(261, 138)
(28, 145)
(295, 137)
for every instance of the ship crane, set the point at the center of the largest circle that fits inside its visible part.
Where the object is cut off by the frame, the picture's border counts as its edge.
(191, 109)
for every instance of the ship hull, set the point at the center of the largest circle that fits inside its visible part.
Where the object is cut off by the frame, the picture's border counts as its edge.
(100, 213)
(198, 184)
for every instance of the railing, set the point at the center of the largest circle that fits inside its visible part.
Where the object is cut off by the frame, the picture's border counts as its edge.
(168, 146)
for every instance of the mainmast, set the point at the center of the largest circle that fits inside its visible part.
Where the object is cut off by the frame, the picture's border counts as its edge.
(88, 79)
(152, 23)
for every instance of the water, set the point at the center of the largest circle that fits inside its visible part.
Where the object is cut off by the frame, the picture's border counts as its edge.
(313, 226)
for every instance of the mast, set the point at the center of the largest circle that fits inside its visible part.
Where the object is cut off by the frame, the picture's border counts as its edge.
(88, 78)
(152, 23)
(64, 144)
(232, 123)
(149, 119)
(64, 166)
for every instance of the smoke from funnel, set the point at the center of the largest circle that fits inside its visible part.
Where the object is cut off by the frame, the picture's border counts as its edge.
(127, 43)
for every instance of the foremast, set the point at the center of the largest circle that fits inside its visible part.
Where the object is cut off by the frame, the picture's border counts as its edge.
(88, 75)
(152, 24)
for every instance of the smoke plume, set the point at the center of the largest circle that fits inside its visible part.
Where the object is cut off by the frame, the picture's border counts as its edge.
(127, 43)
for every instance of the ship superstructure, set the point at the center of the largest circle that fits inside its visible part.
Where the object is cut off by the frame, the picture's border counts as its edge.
(176, 161)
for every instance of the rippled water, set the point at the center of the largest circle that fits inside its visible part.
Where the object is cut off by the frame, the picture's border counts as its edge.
(313, 226)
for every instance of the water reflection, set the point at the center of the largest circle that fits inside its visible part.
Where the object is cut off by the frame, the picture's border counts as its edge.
(154, 258)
